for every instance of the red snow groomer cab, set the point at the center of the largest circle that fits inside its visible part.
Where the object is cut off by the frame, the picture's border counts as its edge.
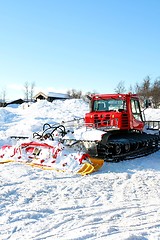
(115, 111)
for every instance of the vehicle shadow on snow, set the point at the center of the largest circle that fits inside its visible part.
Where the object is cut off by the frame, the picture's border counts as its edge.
(150, 162)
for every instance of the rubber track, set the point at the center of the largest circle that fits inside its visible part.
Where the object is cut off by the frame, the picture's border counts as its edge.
(107, 151)
(135, 154)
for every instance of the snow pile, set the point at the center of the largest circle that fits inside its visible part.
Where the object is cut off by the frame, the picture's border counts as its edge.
(152, 114)
(120, 201)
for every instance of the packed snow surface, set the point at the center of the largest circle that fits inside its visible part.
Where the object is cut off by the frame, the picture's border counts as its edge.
(120, 201)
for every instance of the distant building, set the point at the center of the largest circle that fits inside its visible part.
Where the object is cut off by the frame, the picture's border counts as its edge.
(50, 96)
(17, 101)
(6, 103)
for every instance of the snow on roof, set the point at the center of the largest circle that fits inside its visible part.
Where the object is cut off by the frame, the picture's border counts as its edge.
(57, 95)
(52, 95)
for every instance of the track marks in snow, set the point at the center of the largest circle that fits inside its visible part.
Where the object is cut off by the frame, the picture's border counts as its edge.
(47, 205)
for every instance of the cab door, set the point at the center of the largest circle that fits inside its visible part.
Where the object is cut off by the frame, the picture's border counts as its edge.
(137, 120)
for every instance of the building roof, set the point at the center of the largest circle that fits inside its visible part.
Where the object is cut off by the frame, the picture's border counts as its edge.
(52, 95)
(40, 93)
(57, 95)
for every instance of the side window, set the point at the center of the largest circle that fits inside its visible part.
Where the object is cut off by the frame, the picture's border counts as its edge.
(136, 109)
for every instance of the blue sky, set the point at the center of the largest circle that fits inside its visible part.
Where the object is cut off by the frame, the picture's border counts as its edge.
(87, 45)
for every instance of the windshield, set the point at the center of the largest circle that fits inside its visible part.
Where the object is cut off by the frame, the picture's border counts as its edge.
(109, 105)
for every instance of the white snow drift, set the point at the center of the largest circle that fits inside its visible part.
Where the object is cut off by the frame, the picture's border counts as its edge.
(120, 201)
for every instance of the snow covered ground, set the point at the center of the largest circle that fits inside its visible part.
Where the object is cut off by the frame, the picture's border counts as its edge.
(120, 201)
